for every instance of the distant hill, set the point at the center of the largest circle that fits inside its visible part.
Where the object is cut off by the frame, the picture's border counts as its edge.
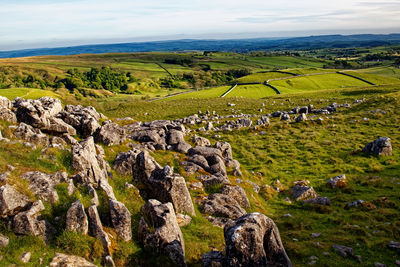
(233, 45)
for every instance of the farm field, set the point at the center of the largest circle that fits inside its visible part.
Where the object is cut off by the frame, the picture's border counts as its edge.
(251, 91)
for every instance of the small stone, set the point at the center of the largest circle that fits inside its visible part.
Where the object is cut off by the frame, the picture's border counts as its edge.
(325, 253)
(3, 241)
(314, 258)
(287, 215)
(183, 219)
(359, 258)
(378, 264)
(315, 235)
(10, 167)
(26, 257)
(295, 239)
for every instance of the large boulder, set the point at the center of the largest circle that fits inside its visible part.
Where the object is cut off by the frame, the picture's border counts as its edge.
(124, 161)
(121, 219)
(43, 184)
(96, 229)
(92, 168)
(5, 102)
(221, 205)
(110, 134)
(162, 184)
(11, 201)
(64, 260)
(159, 232)
(213, 180)
(84, 119)
(237, 193)
(27, 223)
(200, 141)
(7, 115)
(76, 219)
(32, 135)
(254, 240)
(42, 114)
(379, 147)
(176, 140)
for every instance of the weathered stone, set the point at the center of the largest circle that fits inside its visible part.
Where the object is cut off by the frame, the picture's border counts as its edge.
(205, 151)
(70, 187)
(63, 260)
(211, 180)
(237, 193)
(92, 168)
(147, 135)
(161, 184)
(183, 219)
(212, 259)
(159, 232)
(301, 117)
(337, 182)
(245, 122)
(4, 241)
(300, 192)
(96, 228)
(30, 134)
(26, 222)
(5, 102)
(76, 219)
(394, 245)
(26, 257)
(222, 206)
(121, 219)
(285, 117)
(254, 240)
(379, 147)
(176, 140)
(200, 160)
(43, 184)
(200, 141)
(318, 201)
(343, 250)
(7, 115)
(11, 201)
(110, 133)
(217, 165)
(124, 161)
(83, 119)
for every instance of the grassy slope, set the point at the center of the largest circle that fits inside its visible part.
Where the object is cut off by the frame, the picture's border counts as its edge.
(205, 93)
(262, 77)
(252, 91)
(28, 93)
(287, 152)
(374, 78)
(317, 82)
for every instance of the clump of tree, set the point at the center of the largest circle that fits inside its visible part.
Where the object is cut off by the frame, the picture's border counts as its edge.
(201, 79)
(104, 78)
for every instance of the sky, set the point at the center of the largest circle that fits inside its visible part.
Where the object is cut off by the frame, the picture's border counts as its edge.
(54, 23)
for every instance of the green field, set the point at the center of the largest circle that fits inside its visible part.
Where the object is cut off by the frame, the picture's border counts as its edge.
(374, 78)
(205, 93)
(262, 77)
(316, 82)
(252, 91)
(27, 93)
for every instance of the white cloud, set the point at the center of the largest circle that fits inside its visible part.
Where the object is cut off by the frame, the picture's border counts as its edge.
(26, 22)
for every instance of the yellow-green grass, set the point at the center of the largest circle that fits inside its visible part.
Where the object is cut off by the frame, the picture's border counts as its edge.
(316, 82)
(27, 93)
(300, 71)
(392, 72)
(262, 77)
(287, 62)
(252, 91)
(376, 79)
(205, 93)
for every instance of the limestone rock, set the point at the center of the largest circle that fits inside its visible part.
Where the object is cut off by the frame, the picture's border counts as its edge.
(96, 228)
(161, 184)
(302, 192)
(176, 140)
(159, 232)
(4, 241)
(301, 117)
(337, 182)
(11, 201)
(7, 115)
(124, 161)
(26, 257)
(76, 219)
(254, 240)
(379, 147)
(318, 201)
(28, 133)
(237, 193)
(212, 259)
(84, 119)
(110, 133)
(121, 219)
(5, 102)
(43, 184)
(200, 141)
(63, 260)
(211, 180)
(222, 206)
(343, 250)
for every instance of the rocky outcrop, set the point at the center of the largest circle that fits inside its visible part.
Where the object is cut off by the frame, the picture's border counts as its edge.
(162, 184)
(212, 180)
(177, 142)
(7, 115)
(76, 219)
(110, 134)
(237, 193)
(254, 240)
(84, 119)
(26, 222)
(303, 192)
(379, 147)
(42, 114)
(121, 219)
(63, 260)
(96, 229)
(43, 184)
(221, 205)
(159, 232)
(92, 168)
(213, 259)
(200, 141)
(32, 135)
(124, 161)
(11, 201)
(5, 102)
